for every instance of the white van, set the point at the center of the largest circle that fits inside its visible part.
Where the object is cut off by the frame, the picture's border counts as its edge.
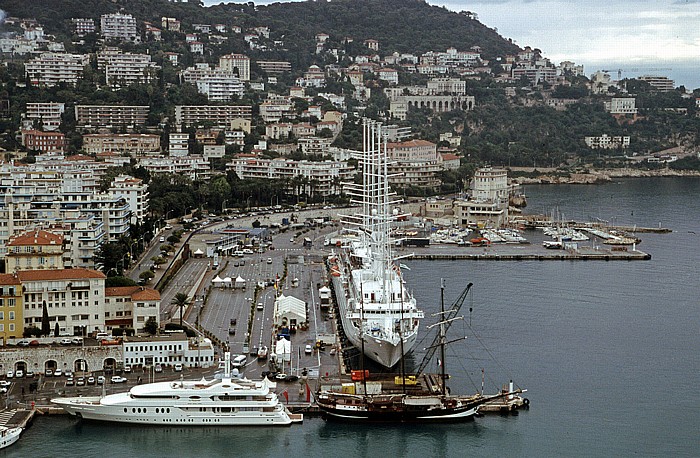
(239, 361)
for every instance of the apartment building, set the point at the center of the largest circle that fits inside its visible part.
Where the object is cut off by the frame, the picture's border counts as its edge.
(44, 114)
(36, 140)
(49, 69)
(621, 105)
(274, 67)
(83, 26)
(660, 83)
(314, 145)
(132, 144)
(108, 116)
(326, 176)
(194, 167)
(11, 322)
(130, 307)
(178, 144)
(118, 26)
(237, 64)
(135, 191)
(125, 69)
(216, 115)
(74, 299)
(607, 142)
(34, 250)
(276, 107)
(221, 89)
(414, 163)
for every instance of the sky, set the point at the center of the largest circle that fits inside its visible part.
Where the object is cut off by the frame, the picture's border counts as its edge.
(659, 37)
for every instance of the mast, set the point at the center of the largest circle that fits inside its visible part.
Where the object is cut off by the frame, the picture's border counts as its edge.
(403, 355)
(442, 335)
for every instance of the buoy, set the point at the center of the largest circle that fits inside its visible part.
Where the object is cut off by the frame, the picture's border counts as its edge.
(526, 402)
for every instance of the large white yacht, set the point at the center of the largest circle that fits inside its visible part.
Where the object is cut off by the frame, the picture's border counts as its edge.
(379, 315)
(229, 401)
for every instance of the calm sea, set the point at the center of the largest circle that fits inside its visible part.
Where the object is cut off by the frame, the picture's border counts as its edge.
(608, 351)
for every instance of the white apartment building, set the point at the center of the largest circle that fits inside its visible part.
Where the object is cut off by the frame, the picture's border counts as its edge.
(238, 64)
(490, 184)
(221, 89)
(488, 202)
(83, 26)
(50, 68)
(46, 113)
(194, 167)
(607, 142)
(93, 116)
(118, 26)
(218, 115)
(447, 86)
(660, 83)
(124, 69)
(202, 70)
(314, 145)
(276, 107)
(326, 176)
(169, 350)
(390, 75)
(130, 307)
(621, 105)
(75, 299)
(135, 191)
(178, 144)
(414, 163)
(132, 144)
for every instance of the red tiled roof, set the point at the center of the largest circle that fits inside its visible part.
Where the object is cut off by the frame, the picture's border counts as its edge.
(58, 274)
(32, 238)
(135, 292)
(9, 279)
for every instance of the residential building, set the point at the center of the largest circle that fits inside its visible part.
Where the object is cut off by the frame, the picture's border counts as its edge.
(274, 67)
(488, 202)
(51, 68)
(314, 145)
(132, 144)
(214, 151)
(276, 107)
(217, 115)
(118, 26)
(34, 250)
(607, 142)
(237, 64)
(111, 116)
(130, 307)
(178, 144)
(414, 163)
(44, 115)
(197, 47)
(322, 178)
(11, 316)
(37, 140)
(660, 83)
(219, 88)
(390, 75)
(170, 23)
(194, 167)
(74, 299)
(83, 26)
(621, 105)
(135, 191)
(125, 69)
(372, 44)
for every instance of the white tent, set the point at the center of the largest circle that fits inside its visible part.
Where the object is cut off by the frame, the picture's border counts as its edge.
(289, 311)
(240, 282)
(228, 282)
(217, 281)
(283, 350)
(198, 253)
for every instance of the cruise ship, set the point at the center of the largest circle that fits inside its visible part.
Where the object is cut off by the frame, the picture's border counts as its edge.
(378, 313)
(229, 401)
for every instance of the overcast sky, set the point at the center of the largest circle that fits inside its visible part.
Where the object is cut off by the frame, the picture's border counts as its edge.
(627, 34)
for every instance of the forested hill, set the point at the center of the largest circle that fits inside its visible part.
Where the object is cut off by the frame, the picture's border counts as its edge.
(399, 25)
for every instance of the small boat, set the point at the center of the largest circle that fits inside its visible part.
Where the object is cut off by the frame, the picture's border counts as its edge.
(9, 436)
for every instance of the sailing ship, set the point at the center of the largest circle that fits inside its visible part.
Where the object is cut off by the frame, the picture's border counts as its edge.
(370, 292)
(229, 401)
(406, 399)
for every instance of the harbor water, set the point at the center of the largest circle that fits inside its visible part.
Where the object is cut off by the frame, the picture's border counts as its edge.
(608, 352)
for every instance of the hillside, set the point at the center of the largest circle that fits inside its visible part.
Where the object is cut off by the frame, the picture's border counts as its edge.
(399, 25)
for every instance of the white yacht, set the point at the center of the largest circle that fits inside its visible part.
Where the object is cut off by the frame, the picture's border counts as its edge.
(229, 401)
(9, 436)
(378, 313)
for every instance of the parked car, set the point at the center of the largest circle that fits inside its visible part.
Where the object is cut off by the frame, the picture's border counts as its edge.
(19, 373)
(66, 341)
(5, 383)
(269, 260)
(57, 373)
(117, 379)
(29, 374)
(158, 368)
(10, 374)
(23, 343)
(68, 373)
(80, 381)
(70, 381)
(91, 380)
(308, 349)
(48, 373)
(178, 367)
(127, 369)
(100, 380)
(77, 340)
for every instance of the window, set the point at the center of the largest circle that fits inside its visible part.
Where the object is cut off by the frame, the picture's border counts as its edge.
(2, 327)
(12, 315)
(12, 327)
(2, 315)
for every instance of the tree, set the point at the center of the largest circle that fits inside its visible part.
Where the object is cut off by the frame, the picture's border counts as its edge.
(151, 326)
(56, 330)
(146, 276)
(45, 323)
(181, 300)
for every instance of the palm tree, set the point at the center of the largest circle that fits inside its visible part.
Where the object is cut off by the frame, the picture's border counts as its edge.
(181, 300)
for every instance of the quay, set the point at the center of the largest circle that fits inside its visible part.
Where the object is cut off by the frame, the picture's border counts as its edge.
(560, 255)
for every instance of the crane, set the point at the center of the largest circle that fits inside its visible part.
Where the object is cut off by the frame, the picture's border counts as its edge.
(448, 316)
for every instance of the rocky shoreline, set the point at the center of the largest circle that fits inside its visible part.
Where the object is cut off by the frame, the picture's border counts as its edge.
(603, 176)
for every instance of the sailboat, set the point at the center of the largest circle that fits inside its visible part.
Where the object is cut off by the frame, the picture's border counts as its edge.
(366, 279)
(406, 400)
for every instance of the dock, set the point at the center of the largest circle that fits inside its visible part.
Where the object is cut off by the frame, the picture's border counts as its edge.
(13, 418)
